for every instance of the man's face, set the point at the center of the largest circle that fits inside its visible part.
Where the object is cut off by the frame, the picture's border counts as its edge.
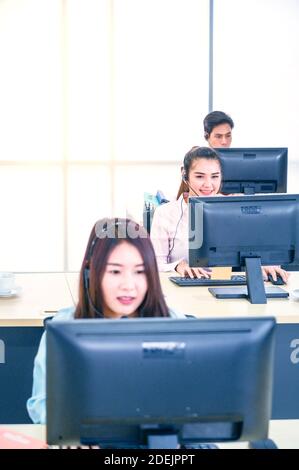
(221, 136)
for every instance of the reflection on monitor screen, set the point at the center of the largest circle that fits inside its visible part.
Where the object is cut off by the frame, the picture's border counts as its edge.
(254, 170)
(245, 231)
(158, 382)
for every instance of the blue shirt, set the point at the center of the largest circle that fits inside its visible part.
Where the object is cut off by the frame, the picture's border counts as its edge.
(36, 404)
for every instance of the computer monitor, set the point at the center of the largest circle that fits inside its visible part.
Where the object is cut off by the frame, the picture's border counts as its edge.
(245, 231)
(254, 170)
(158, 382)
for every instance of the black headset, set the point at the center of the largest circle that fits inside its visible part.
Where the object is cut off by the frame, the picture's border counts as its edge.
(86, 272)
(175, 232)
(185, 179)
(171, 246)
(87, 263)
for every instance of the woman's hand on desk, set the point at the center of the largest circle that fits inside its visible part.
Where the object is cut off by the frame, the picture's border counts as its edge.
(274, 271)
(185, 270)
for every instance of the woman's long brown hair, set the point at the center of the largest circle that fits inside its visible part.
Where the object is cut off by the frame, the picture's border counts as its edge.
(101, 242)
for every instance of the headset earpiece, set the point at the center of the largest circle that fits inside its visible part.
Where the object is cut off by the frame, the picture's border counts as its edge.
(184, 177)
(86, 278)
(86, 289)
(206, 135)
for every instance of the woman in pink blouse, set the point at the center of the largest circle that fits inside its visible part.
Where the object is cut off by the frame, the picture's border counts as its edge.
(201, 176)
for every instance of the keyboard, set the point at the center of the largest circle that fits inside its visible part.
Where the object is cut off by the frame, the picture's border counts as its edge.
(56, 446)
(201, 445)
(236, 280)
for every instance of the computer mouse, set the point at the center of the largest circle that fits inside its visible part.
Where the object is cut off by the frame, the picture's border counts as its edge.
(278, 282)
(294, 294)
(263, 444)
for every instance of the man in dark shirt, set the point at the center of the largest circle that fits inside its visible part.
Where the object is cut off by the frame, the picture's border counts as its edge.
(218, 129)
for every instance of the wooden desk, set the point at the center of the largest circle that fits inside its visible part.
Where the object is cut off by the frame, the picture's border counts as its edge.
(21, 326)
(284, 432)
(41, 295)
(44, 293)
(199, 302)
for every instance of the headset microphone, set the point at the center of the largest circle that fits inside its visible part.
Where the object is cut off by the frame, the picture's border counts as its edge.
(185, 180)
(190, 187)
(86, 288)
(86, 277)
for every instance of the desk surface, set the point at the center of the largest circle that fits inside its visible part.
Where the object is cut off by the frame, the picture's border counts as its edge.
(44, 293)
(199, 302)
(41, 295)
(284, 432)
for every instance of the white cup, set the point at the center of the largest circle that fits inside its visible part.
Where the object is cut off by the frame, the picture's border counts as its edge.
(295, 294)
(7, 282)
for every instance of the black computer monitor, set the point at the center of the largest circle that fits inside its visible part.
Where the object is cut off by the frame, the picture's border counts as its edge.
(254, 170)
(158, 382)
(245, 231)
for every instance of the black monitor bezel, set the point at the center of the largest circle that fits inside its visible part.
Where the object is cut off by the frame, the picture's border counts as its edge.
(62, 425)
(246, 202)
(252, 170)
(249, 245)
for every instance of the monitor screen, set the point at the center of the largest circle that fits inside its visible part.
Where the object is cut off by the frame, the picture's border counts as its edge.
(127, 383)
(240, 231)
(254, 170)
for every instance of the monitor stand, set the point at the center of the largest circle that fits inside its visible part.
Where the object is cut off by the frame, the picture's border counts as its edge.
(255, 291)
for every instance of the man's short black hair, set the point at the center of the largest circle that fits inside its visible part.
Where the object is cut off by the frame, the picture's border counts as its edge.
(215, 118)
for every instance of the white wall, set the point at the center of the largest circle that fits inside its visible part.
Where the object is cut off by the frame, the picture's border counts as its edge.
(101, 99)
(256, 57)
